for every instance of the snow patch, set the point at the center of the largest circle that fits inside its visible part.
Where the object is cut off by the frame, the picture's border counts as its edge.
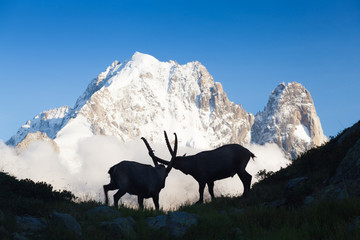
(303, 133)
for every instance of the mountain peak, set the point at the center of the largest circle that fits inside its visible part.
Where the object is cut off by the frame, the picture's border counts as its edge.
(143, 59)
(289, 119)
(281, 86)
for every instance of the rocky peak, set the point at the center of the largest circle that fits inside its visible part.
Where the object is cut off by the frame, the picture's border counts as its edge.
(289, 120)
(141, 60)
(36, 136)
(275, 97)
(108, 71)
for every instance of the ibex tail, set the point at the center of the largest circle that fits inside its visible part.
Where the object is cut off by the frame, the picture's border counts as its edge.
(252, 156)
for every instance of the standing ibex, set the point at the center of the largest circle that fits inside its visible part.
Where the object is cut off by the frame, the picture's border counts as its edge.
(142, 180)
(209, 166)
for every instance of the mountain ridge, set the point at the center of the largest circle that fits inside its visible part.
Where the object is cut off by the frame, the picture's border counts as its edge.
(142, 97)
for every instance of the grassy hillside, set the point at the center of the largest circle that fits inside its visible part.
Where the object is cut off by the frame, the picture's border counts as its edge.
(317, 166)
(275, 209)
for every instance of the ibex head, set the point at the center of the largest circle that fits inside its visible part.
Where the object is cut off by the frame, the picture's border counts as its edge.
(172, 152)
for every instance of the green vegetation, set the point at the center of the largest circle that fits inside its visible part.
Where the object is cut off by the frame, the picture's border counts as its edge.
(270, 212)
(323, 220)
(317, 165)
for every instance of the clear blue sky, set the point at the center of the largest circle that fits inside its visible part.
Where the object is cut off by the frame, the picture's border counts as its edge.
(51, 50)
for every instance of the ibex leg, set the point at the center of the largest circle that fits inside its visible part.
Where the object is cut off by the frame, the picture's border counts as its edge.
(117, 196)
(156, 202)
(107, 188)
(201, 192)
(246, 180)
(211, 189)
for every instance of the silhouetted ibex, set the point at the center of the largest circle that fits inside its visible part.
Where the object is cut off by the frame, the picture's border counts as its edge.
(209, 166)
(142, 180)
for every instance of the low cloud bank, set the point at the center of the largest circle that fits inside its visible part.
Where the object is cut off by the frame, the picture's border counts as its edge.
(95, 155)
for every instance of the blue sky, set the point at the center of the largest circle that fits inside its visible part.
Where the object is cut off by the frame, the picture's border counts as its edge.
(51, 50)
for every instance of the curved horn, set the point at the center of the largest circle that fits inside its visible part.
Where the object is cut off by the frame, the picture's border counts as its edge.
(175, 145)
(151, 152)
(147, 145)
(168, 144)
(173, 153)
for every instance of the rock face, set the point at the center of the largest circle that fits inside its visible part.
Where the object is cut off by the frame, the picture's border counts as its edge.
(289, 120)
(143, 97)
(36, 136)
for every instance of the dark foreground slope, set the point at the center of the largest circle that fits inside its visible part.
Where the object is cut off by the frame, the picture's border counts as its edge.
(316, 197)
(331, 171)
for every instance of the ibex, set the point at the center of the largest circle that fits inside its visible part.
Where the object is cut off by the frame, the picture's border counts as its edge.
(209, 166)
(142, 180)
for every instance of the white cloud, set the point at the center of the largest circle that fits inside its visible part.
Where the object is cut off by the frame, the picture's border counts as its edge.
(39, 162)
(95, 155)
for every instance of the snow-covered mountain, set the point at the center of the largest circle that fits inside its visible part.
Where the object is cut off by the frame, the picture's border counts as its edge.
(143, 97)
(289, 120)
(49, 122)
